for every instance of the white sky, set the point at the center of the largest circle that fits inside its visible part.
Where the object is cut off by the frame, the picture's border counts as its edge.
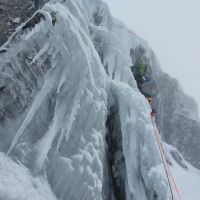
(172, 29)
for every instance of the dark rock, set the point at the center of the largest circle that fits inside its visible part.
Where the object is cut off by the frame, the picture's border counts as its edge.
(33, 21)
(19, 10)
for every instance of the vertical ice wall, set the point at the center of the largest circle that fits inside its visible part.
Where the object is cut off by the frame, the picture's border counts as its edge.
(61, 72)
(145, 173)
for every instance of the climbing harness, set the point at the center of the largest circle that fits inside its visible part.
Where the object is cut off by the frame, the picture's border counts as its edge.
(172, 184)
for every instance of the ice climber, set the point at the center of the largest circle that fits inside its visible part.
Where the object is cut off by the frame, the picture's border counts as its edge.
(140, 73)
(153, 113)
(150, 100)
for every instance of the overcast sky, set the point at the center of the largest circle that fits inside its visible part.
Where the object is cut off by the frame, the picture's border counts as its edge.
(172, 29)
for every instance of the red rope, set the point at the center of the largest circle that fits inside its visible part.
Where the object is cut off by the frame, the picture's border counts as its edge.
(164, 158)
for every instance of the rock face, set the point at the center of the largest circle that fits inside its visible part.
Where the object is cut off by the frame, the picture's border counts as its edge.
(13, 13)
(179, 121)
(178, 117)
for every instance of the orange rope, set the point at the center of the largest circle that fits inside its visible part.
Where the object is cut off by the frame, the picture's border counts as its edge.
(164, 158)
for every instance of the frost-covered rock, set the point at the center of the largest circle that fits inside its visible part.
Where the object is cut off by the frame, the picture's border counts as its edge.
(179, 120)
(70, 110)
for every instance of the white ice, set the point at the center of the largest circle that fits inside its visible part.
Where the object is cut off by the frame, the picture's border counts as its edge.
(80, 63)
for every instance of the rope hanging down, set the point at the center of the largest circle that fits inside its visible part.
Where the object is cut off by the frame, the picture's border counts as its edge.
(173, 187)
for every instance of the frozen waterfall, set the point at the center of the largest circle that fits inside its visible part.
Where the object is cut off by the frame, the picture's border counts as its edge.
(73, 124)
